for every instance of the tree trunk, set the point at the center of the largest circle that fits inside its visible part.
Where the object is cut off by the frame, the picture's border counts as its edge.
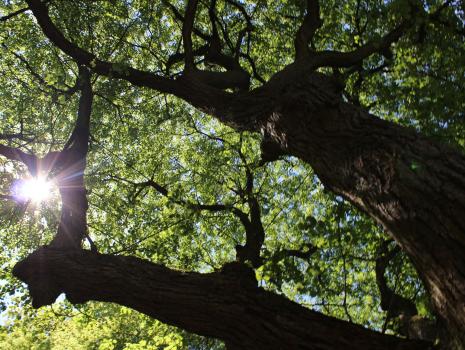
(410, 184)
(227, 305)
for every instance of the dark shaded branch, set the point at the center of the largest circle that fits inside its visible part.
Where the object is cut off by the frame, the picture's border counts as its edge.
(391, 302)
(16, 136)
(181, 18)
(242, 10)
(194, 206)
(348, 59)
(29, 160)
(409, 322)
(304, 253)
(180, 56)
(255, 73)
(311, 23)
(68, 167)
(247, 30)
(187, 26)
(436, 17)
(234, 77)
(226, 305)
(254, 230)
(13, 14)
(79, 138)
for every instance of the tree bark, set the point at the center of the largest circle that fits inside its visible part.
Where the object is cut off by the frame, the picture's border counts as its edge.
(412, 185)
(227, 304)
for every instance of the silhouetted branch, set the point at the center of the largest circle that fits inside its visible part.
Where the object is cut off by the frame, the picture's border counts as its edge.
(393, 303)
(187, 26)
(13, 14)
(311, 23)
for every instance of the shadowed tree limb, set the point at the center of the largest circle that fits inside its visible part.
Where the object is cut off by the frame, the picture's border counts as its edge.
(187, 26)
(311, 23)
(15, 154)
(391, 302)
(305, 251)
(349, 59)
(13, 14)
(411, 324)
(207, 83)
(355, 57)
(254, 231)
(68, 169)
(226, 305)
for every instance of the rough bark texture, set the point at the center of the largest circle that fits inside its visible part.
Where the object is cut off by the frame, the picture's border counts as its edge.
(227, 304)
(410, 184)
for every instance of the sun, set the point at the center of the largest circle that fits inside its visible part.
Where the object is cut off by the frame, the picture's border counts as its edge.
(35, 189)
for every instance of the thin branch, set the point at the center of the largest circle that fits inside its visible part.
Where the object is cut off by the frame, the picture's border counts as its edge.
(355, 57)
(255, 232)
(349, 59)
(16, 136)
(71, 89)
(13, 14)
(304, 253)
(180, 18)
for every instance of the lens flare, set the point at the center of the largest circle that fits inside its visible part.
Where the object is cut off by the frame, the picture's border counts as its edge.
(35, 189)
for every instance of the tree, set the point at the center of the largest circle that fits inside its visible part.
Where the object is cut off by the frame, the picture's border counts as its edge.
(230, 60)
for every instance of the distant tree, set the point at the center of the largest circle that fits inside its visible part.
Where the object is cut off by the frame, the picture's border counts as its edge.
(188, 114)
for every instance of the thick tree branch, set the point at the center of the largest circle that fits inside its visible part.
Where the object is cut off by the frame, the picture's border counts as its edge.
(187, 26)
(227, 305)
(311, 23)
(68, 167)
